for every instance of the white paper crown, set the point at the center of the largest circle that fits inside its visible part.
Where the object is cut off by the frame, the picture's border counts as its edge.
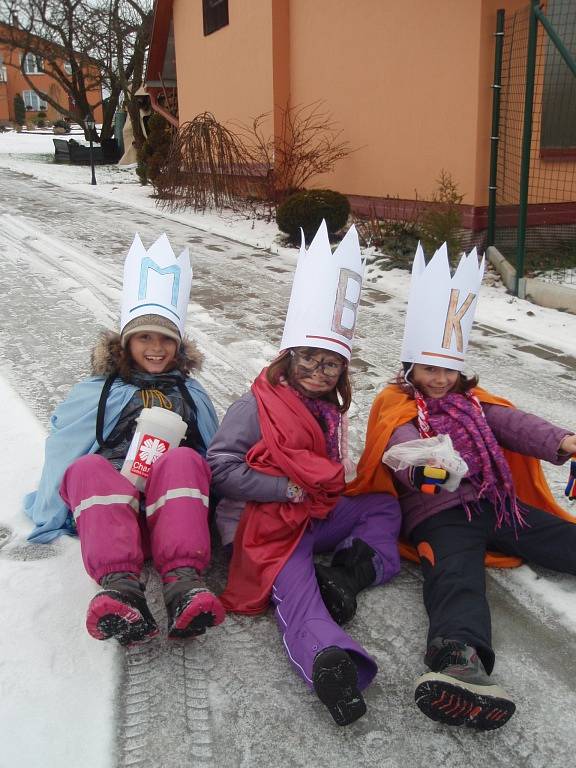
(156, 282)
(325, 294)
(441, 309)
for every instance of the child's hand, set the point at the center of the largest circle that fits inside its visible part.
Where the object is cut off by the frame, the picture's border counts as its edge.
(294, 493)
(571, 487)
(568, 444)
(428, 479)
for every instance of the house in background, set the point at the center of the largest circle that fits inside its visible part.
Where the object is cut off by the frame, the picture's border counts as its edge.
(408, 83)
(13, 82)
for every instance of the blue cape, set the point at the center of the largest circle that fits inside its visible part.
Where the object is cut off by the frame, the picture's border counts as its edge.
(73, 434)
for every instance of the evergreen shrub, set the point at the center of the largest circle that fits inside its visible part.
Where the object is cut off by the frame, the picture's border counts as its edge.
(307, 208)
(153, 154)
(63, 124)
(19, 110)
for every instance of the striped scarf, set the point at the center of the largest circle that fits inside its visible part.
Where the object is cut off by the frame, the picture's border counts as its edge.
(461, 416)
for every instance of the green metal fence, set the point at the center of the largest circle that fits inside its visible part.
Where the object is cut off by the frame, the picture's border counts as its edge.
(532, 202)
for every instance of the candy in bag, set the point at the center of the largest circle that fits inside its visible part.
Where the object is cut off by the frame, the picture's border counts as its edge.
(435, 451)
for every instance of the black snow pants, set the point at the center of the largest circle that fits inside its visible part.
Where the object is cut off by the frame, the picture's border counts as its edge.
(452, 550)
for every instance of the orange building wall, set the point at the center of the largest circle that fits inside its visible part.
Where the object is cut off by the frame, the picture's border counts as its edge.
(408, 83)
(229, 72)
(16, 83)
(408, 103)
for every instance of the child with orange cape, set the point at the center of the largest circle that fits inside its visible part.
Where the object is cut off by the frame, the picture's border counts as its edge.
(502, 503)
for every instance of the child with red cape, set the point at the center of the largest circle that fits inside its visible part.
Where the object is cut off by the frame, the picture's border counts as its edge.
(278, 458)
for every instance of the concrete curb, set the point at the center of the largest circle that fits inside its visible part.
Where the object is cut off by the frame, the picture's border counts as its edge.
(530, 288)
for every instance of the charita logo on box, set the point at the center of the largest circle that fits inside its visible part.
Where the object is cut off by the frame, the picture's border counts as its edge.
(149, 450)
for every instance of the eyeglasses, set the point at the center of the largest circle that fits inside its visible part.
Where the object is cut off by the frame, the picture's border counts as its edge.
(330, 368)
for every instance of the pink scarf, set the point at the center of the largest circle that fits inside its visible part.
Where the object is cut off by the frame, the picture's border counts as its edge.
(461, 416)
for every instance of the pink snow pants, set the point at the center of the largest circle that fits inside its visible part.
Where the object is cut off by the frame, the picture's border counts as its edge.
(117, 532)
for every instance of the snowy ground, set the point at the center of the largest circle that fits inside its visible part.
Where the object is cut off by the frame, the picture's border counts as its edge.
(231, 699)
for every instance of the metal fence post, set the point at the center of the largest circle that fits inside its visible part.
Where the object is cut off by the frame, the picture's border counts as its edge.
(526, 144)
(495, 134)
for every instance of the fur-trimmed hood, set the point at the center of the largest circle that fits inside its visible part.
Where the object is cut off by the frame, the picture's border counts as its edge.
(108, 356)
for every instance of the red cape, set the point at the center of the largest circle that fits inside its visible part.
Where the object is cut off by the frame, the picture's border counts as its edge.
(293, 446)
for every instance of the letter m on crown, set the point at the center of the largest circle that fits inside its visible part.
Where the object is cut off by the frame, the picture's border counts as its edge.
(148, 264)
(454, 316)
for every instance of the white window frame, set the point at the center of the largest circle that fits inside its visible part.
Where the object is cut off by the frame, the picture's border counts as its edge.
(32, 64)
(33, 102)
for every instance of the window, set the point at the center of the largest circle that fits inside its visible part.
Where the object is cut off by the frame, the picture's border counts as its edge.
(32, 64)
(67, 67)
(558, 122)
(33, 102)
(215, 15)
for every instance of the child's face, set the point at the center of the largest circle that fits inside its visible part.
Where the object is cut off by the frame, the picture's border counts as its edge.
(152, 352)
(315, 371)
(434, 381)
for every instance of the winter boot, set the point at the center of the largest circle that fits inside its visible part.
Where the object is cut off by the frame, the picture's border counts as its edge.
(191, 608)
(458, 691)
(121, 611)
(335, 680)
(352, 570)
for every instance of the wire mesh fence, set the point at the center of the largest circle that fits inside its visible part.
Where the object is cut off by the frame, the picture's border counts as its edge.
(550, 239)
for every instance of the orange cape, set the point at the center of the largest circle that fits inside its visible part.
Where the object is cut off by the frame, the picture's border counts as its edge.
(392, 408)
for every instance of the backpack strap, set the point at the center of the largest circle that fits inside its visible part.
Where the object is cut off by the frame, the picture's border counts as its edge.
(193, 437)
(102, 411)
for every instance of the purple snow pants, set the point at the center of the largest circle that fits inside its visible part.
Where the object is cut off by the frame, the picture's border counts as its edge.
(116, 535)
(305, 624)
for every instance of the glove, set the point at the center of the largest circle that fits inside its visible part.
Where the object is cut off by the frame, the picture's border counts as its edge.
(571, 487)
(428, 479)
(294, 493)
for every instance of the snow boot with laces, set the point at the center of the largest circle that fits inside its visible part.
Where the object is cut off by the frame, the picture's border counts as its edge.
(351, 571)
(335, 680)
(190, 606)
(458, 691)
(120, 611)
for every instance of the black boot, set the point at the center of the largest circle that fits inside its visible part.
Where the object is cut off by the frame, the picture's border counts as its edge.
(458, 691)
(352, 570)
(335, 680)
(121, 611)
(191, 607)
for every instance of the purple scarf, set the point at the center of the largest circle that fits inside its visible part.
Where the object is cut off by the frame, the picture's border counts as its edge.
(462, 417)
(328, 416)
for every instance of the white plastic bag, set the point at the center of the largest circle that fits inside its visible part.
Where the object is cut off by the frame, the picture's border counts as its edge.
(436, 451)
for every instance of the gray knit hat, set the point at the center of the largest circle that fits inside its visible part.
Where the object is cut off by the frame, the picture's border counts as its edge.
(152, 323)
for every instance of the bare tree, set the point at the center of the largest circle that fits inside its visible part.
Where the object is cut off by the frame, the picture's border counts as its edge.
(123, 53)
(86, 45)
(307, 144)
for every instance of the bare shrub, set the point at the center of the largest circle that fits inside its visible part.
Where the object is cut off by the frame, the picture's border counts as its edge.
(308, 144)
(394, 230)
(206, 167)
